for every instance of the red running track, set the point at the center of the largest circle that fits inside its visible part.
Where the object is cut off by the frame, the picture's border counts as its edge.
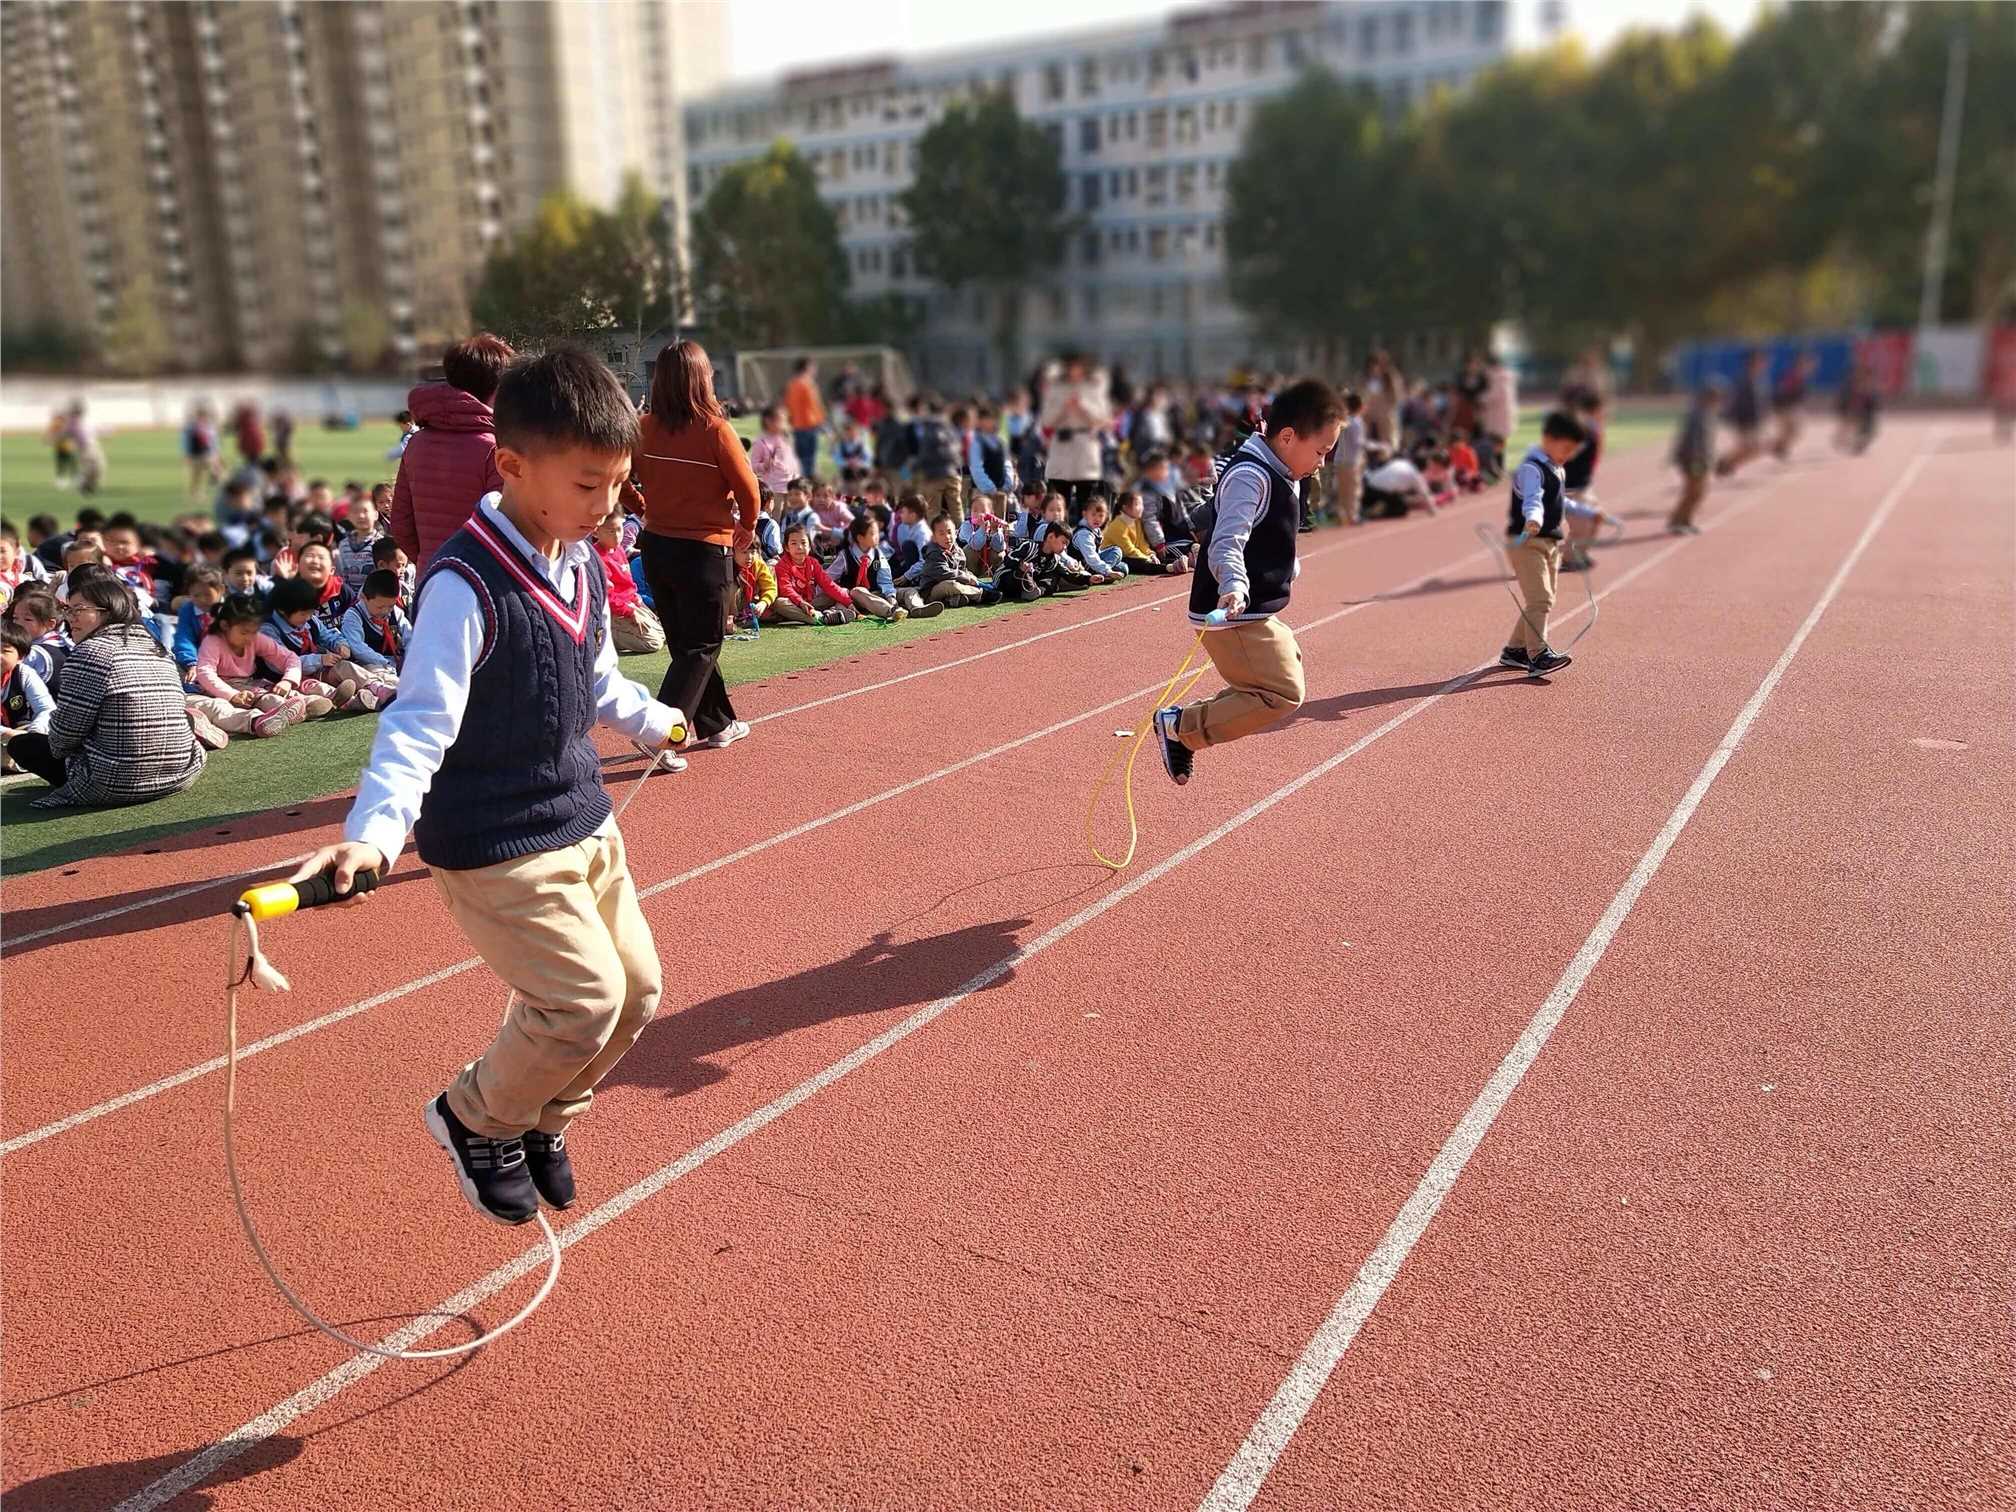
(1059, 1229)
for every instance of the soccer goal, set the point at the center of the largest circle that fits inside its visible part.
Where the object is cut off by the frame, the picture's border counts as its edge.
(760, 376)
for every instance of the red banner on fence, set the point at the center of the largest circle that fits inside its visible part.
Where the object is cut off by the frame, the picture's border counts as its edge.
(1999, 379)
(1887, 357)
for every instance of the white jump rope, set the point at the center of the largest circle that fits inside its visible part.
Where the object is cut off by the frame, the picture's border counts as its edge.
(273, 901)
(1499, 547)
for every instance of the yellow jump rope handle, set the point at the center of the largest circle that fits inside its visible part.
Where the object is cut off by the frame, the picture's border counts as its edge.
(1170, 693)
(275, 900)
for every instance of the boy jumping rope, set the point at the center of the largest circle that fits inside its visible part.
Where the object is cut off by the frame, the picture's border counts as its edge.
(1246, 568)
(1533, 540)
(486, 757)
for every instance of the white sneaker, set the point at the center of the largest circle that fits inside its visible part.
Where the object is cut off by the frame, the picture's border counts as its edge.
(671, 760)
(727, 737)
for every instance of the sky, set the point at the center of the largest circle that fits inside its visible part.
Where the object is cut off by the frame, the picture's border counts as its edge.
(768, 37)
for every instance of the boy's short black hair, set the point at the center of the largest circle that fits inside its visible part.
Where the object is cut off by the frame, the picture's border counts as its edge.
(90, 519)
(212, 540)
(316, 526)
(13, 635)
(1030, 486)
(566, 398)
(858, 526)
(912, 501)
(799, 484)
(43, 524)
(1304, 407)
(292, 595)
(385, 549)
(1562, 426)
(1152, 457)
(239, 554)
(1353, 401)
(122, 521)
(380, 585)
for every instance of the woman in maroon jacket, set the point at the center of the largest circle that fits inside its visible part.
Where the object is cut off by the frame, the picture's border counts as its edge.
(451, 462)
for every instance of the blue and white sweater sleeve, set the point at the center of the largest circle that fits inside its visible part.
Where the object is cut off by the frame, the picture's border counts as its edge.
(1241, 501)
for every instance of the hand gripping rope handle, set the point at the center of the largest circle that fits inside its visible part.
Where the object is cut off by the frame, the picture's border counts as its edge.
(1170, 693)
(1503, 549)
(276, 900)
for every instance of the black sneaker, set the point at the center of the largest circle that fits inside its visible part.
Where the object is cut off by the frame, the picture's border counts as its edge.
(1516, 658)
(1549, 660)
(552, 1172)
(492, 1171)
(1176, 756)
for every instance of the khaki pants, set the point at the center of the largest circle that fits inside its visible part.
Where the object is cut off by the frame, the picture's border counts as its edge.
(563, 929)
(1262, 668)
(781, 611)
(943, 496)
(1693, 489)
(1537, 565)
(637, 632)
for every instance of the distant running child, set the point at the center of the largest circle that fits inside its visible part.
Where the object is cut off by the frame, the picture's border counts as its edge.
(1246, 568)
(486, 757)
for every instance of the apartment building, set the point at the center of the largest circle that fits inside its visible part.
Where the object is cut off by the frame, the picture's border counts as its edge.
(273, 183)
(1148, 120)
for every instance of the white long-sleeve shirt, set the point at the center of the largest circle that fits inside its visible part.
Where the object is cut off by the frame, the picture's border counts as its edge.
(1240, 501)
(1529, 486)
(414, 734)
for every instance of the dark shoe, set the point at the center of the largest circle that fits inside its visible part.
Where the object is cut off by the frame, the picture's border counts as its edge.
(930, 609)
(1549, 660)
(989, 597)
(1516, 658)
(1176, 756)
(552, 1172)
(492, 1171)
(1580, 562)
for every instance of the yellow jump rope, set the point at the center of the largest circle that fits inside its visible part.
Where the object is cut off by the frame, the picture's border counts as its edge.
(246, 964)
(1170, 693)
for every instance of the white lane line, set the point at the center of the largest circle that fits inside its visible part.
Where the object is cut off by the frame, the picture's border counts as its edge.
(198, 1468)
(155, 902)
(419, 984)
(1278, 1422)
(796, 709)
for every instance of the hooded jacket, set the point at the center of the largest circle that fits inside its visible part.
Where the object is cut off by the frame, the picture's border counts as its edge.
(449, 464)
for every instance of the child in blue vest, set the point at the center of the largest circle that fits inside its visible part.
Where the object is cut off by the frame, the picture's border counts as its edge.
(486, 757)
(1540, 502)
(1246, 569)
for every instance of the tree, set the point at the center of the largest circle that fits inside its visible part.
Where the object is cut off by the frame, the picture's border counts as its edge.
(767, 266)
(137, 340)
(366, 334)
(578, 270)
(987, 207)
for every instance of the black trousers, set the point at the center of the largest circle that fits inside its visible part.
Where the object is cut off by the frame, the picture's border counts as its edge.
(1077, 493)
(31, 753)
(693, 589)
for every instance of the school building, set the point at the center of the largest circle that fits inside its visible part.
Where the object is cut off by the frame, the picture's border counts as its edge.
(1148, 119)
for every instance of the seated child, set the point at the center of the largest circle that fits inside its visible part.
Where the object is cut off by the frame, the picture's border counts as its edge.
(833, 514)
(1088, 545)
(376, 633)
(192, 620)
(1055, 519)
(1164, 519)
(387, 555)
(315, 565)
(325, 668)
(853, 452)
(230, 694)
(985, 534)
(1033, 498)
(908, 540)
(1441, 481)
(1463, 463)
(943, 573)
(633, 625)
(127, 556)
(862, 569)
(25, 704)
(1394, 485)
(242, 574)
(802, 585)
(769, 532)
(797, 508)
(1057, 571)
(355, 559)
(38, 615)
(1125, 532)
(755, 587)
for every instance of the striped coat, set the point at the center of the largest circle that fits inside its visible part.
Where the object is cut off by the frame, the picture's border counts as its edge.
(121, 724)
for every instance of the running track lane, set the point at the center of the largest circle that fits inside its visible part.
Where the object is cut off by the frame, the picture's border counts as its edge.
(1486, 735)
(61, 1059)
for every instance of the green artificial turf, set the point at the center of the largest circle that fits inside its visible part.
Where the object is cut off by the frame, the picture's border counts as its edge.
(312, 761)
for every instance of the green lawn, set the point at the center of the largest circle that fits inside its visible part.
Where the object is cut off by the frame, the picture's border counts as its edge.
(313, 761)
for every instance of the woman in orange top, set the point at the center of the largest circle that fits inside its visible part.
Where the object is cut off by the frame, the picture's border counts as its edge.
(699, 499)
(808, 415)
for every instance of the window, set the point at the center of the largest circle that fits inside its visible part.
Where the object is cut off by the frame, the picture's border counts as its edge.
(1088, 76)
(1158, 243)
(1188, 63)
(1057, 306)
(1133, 182)
(1053, 81)
(1090, 297)
(889, 157)
(1403, 32)
(899, 262)
(1211, 236)
(1157, 67)
(1368, 36)
(1256, 54)
(1133, 125)
(1089, 249)
(1231, 115)
(1088, 134)
(1158, 185)
(1291, 49)
(1186, 183)
(1490, 20)
(1113, 128)
(1088, 192)
(1158, 129)
(1213, 172)
(1186, 126)
(1114, 183)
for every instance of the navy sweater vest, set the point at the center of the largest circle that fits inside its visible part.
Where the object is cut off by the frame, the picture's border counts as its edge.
(522, 775)
(1550, 499)
(1270, 549)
